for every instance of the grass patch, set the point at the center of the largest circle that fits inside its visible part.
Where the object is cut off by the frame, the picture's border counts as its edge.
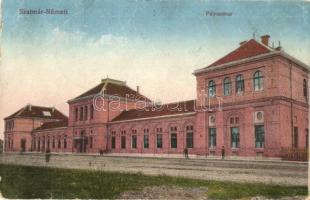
(38, 182)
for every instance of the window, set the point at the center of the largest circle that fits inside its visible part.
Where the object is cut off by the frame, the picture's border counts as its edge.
(212, 137)
(47, 113)
(305, 88)
(48, 142)
(91, 111)
(81, 113)
(307, 138)
(59, 143)
(134, 141)
(232, 120)
(159, 130)
(239, 84)
(23, 145)
(43, 143)
(189, 137)
(295, 137)
(146, 138)
(173, 137)
(65, 142)
(76, 113)
(123, 142)
(34, 143)
(146, 141)
(258, 80)
(227, 86)
(113, 142)
(39, 145)
(173, 141)
(90, 142)
(159, 140)
(86, 112)
(53, 142)
(211, 88)
(235, 137)
(237, 120)
(259, 136)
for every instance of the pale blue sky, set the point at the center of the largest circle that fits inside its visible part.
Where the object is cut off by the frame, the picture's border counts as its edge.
(47, 60)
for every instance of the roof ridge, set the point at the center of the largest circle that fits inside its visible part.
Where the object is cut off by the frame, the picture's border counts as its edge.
(266, 46)
(179, 102)
(247, 49)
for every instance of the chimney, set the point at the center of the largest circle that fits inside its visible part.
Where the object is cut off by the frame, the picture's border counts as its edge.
(138, 89)
(265, 39)
(279, 47)
(29, 107)
(243, 42)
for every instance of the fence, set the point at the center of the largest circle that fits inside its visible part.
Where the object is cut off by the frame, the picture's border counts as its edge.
(294, 154)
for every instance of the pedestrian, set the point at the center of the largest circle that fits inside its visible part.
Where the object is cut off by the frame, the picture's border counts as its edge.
(223, 152)
(186, 153)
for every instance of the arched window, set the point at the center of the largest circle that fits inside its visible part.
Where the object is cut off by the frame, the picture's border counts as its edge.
(189, 136)
(305, 88)
(212, 88)
(227, 86)
(258, 80)
(239, 84)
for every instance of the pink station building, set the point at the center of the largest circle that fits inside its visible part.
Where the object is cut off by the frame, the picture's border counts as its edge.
(252, 102)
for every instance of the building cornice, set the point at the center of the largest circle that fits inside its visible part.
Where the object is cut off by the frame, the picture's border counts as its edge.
(258, 100)
(152, 118)
(251, 59)
(49, 129)
(105, 96)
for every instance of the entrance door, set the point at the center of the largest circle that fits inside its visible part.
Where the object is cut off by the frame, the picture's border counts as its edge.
(23, 145)
(81, 145)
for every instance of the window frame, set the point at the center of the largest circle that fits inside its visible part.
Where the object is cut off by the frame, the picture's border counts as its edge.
(227, 86)
(258, 81)
(86, 112)
(239, 84)
(91, 111)
(123, 141)
(305, 88)
(76, 112)
(190, 137)
(159, 139)
(173, 140)
(134, 141)
(295, 137)
(232, 139)
(258, 136)
(113, 142)
(212, 137)
(146, 141)
(211, 89)
(81, 113)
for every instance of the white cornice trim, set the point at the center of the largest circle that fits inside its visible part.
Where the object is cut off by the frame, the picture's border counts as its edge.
(158, 117)
(254, 58)
(48, 129)
(229, 64)
(105, 96)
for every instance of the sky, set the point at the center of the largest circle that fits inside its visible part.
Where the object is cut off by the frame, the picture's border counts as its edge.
(49, 59)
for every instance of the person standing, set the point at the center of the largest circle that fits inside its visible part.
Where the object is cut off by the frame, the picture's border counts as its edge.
(223, 152)
(186, 153)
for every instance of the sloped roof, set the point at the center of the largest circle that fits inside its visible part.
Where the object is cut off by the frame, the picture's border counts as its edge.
(115, 88)
(31, 111)
(50, 125)
(165, 109)
(248, 49)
